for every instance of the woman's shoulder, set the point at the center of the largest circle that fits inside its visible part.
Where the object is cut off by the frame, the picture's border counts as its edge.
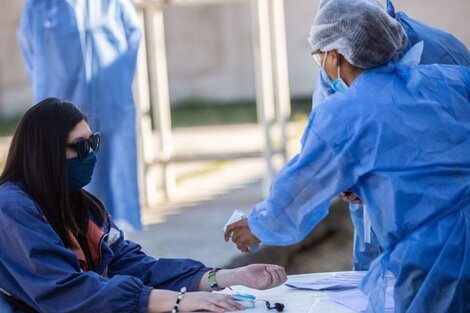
(13, 195)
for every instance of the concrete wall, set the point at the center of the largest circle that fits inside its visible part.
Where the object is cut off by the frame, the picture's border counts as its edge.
(210, 55)
(210, 48)
(15, 92)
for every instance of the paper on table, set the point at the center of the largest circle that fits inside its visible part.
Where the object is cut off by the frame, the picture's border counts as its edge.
(339, 281)
(357, 301)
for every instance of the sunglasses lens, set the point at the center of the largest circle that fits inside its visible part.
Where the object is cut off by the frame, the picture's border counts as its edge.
(95, 140)
(83, 148)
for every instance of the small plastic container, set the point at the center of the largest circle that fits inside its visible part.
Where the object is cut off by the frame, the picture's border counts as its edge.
(247, 300)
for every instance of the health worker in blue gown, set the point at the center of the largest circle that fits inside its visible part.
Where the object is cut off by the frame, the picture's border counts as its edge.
(397, 134)
(439, 47)
(85, 51)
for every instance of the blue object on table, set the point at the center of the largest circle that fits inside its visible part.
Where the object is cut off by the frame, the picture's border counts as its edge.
(247, 300)
(243, 296)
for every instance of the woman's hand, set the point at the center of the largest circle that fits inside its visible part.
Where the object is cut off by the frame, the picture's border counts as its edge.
(165, 300)
(241, 235)
(260, 276)
(212, 302)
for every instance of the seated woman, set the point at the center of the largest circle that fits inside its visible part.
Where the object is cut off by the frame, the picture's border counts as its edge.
(61, 251)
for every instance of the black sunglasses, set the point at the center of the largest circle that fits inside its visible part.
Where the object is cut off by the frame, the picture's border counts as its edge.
(83, 146)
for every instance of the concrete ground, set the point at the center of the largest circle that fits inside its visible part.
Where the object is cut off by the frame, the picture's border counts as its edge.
(191, 225)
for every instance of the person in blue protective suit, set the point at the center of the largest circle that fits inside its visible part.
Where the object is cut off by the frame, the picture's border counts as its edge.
(439, 47)
(85, 51)
(60, 250)
(395, 133)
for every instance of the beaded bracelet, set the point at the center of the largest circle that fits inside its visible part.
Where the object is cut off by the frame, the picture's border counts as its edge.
(212, 279)
(178, 300)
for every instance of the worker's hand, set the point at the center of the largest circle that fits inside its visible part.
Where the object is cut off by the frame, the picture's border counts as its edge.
(350, 196)
(260, 276)
(207, 301)
(241, 235)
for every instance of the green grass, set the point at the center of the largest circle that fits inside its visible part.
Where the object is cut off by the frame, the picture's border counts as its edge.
(208, 168)
(8, 125)
(196, 112)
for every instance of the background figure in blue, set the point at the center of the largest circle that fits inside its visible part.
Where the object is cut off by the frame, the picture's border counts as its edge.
(439, 48)
(85, 51)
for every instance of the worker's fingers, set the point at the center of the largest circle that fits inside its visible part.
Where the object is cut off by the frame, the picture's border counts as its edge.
(358, 201)
(236, 236)
(349, 196)
(242, 246)
(229, 230)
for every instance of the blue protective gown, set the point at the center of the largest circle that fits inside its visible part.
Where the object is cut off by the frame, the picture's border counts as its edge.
(439, 48)
(85, 51)
(400, 136)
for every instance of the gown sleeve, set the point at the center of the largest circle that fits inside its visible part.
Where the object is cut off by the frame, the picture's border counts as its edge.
(301, 194)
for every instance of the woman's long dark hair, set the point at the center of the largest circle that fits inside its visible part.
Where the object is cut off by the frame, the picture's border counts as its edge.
(36, 159)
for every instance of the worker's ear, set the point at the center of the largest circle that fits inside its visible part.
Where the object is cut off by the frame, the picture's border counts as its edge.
(331, 64)
(335, 58)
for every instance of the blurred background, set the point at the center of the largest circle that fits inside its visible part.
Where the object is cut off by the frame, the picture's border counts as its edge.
(212, 91)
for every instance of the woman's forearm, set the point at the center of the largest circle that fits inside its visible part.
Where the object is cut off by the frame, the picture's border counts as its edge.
(164, 300)
(161, 301)
(224, 278)
(257, 276)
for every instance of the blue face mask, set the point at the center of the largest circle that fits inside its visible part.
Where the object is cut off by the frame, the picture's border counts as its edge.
(80, 171)
(338, 84)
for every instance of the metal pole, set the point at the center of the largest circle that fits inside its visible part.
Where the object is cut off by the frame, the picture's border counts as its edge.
(264, 81)
(159, 92)
(143, 123)
(272, 90)
(281, 74)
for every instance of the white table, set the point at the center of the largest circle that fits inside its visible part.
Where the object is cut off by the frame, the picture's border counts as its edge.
(295, 300)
